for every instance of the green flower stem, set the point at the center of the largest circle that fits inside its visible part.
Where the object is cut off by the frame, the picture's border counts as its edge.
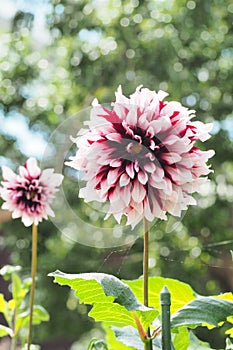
(147, 345)
(13, 339)
(33, 275)
(13, 343)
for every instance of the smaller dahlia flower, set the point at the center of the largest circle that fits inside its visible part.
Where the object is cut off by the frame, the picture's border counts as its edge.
(29, 194)
(141, 156)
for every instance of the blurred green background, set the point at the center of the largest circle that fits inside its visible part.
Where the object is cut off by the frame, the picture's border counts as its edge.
(56, 56)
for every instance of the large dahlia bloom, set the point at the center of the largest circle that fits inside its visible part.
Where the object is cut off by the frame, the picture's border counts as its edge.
(140, 155)
(29, 194)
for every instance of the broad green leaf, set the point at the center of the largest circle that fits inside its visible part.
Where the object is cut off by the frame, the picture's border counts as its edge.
(11, 304)
(113, 314)
(180, 338)
(2, 303)
(106, 285)
(18, 291)
(6, 331)
(229, 345)
(129, 337)
(207, 310)
(113, 301)
(112, 342)
(225, 296)
(5, 309)
(197, 344)
(230, 331)
(7, 270)
(39, 315)
(181, 293)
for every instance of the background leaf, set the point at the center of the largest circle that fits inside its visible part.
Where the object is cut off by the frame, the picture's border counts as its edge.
(6, 331)
(112, 299)
(181, 293)
(207, 310)
(7, 270)
(18, 290)
(39, 315)
(197, 344)
(180, 338)
(129, 337)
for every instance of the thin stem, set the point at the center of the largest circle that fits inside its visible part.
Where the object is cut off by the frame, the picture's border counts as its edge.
(14, 339)
(33, 275)
(148, 345)
(13, 343)
(145, 263)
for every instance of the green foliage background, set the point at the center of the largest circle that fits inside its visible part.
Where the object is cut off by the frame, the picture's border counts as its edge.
(183, 47)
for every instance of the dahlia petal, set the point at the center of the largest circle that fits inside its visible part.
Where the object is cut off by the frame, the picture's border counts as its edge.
(49, 211)
(32, 167)
(150, 156)
(120, 98)
(138, 206)
(203, 130)
(133, 218)
(142, 177)
(112, 176)
(171, 157)
(126, 194)
(117, 216)
(161, 125)
(50, 178)
(27, 221)
(136, 166)
(117, 206)
(157, 183)
(171, 139)
(162, 94)
(130, 170)
(89, 195)
(16, 214)
(124, 180)
(150, 167)
(138, 192)
(195, 185)
(150, 132)
(131, 117)
(147, 211)
(114, 137)
(8, 174)
(115, 163)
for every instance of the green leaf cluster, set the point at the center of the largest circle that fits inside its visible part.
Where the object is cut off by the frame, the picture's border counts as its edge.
(118, 305)
(15, 310)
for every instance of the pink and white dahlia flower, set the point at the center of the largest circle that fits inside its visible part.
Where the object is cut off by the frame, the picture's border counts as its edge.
(140, 155)
(29, 194)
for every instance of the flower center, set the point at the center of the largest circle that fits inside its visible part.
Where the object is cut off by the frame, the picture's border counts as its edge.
(32, 194)
(134, 148)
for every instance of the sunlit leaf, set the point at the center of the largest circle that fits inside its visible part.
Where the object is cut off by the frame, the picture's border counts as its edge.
(197, 344)
(6, 331)
(5, 309)
(18, 291)
(39, 315)
(180, 338)
(113, 301)
(7, 270)
(181, 293)
(208, 310)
